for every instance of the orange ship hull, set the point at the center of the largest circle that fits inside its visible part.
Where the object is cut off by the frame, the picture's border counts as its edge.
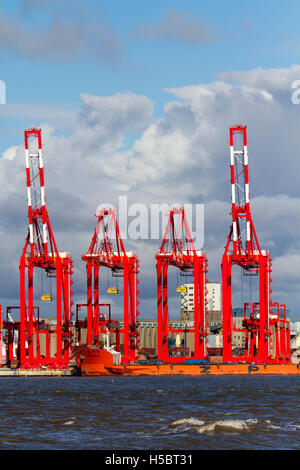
(211, 369)
(98, 362)
(94, 361)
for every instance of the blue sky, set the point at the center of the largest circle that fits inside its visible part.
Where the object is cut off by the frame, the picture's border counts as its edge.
(248, 35)
(136, 98)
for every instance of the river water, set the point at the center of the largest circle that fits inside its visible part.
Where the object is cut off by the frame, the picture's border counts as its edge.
(162, 413)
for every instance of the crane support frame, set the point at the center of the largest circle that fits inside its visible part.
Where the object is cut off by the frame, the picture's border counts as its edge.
(177, 249)
(107, 250)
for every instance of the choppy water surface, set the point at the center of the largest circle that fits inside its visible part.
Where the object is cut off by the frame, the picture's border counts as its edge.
(150, 413)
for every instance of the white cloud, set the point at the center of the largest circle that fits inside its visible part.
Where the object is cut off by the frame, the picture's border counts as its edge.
(10, 153)
(122, 112)
(273, 80)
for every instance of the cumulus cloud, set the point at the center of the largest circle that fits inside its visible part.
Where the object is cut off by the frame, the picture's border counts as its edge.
(181, 157)
(126, 112)
(273, 80)
(10, 153)
(178, 26)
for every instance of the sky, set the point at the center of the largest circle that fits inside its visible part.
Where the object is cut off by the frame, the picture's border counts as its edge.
(136, 99)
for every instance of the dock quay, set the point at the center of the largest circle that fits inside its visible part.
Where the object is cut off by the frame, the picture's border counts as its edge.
(8, 372)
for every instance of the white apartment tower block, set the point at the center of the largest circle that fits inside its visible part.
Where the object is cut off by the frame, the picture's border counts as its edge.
(213, 297)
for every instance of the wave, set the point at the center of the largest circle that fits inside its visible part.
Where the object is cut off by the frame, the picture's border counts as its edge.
(192, 421)
(226, 425)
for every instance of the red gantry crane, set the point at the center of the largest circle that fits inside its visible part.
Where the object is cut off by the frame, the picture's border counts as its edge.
(177, 249)
(243, 249)
(40, 251)
(107, 250)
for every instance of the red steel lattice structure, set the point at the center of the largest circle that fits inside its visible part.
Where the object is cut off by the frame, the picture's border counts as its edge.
(243, 249)
(107, 250)
(40, 251)
(177, 249)
(106, 324)
(101, 323)
(280, 352)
